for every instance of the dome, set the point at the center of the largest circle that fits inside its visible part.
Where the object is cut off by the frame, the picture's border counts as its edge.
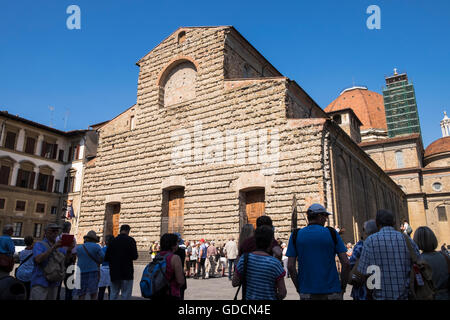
(367, 105)
(441, 145)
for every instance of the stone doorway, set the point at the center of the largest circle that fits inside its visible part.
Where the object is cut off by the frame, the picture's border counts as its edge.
(172, 219)
(112, 217)
(252, 204)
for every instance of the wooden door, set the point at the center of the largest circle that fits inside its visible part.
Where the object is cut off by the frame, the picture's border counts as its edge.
(254, 206)
(115, 219)
(176, 211)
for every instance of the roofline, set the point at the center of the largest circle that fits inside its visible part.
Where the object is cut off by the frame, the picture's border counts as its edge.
(346, 109)
(71, 133)
(101, 124)
(414, 136)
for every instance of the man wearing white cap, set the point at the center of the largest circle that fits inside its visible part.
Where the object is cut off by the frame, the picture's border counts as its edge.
(316, 246)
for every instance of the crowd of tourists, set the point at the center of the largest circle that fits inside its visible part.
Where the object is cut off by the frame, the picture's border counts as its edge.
(386, 264)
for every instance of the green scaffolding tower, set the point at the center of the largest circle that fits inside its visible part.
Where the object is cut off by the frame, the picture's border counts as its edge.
(400, 105)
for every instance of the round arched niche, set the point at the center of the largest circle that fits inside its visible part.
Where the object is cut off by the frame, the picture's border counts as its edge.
(177, 82)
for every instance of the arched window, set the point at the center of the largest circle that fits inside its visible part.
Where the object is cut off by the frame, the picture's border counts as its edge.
(179, 84)
(399, 159)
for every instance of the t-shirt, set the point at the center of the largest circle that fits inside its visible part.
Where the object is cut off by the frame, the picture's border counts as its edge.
(26, 269)
(262, 274)
(7, 245)
(316, 252)
(86, 263)
(38, 277)
(203, 251)
(194, 253)
(105, 263)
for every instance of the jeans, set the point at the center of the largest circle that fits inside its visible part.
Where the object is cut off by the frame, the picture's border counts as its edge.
(43, 293)
(124, 286)
(201, 267)
(101, 293)
(212, 268)
(230, 267)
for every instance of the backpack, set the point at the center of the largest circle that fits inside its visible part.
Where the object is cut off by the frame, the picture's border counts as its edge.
(244, 280)
(421, 285)
(25, 260)
(55, 269)
(154, 282)
(12, 289)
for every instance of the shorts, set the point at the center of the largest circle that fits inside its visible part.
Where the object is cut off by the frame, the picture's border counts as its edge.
(89, 283)
(191, 263)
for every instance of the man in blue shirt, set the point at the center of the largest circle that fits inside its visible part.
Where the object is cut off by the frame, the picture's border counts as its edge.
(41, 288)
(6, 244)
(316, 248)
(201, 260)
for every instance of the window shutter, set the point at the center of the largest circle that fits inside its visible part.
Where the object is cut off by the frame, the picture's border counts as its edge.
(66, 180)
(4, 174)
(69, 158)
(78, 152)
(55, 151)
(61, 155)
(50, 183)
(44, 148)
(19, 177)
(10, 140)
(29, 148)
(33, 176)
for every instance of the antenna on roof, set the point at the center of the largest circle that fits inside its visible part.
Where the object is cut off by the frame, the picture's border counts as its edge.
(51, 115)
(66, 117)
(395, 72)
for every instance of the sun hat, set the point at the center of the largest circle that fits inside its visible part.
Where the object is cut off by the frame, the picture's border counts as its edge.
(92, 235)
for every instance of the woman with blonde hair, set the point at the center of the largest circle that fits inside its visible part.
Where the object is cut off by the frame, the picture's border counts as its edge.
(426, 241)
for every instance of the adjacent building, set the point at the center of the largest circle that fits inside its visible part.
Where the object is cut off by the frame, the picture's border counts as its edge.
(391, 136)
(40, 169)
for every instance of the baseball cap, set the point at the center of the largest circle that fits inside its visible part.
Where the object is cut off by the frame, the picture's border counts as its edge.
(316, 209)
(180, 240)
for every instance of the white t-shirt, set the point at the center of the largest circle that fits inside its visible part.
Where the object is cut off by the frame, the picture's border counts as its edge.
(194, 254)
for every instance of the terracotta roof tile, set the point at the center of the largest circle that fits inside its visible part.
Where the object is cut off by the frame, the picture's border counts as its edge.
(367, 105)
(439, 146)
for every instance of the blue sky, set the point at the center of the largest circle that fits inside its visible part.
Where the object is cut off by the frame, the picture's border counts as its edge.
(324, 45)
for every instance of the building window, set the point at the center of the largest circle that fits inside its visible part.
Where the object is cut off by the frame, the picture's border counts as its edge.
(25, 179)
(61, 156)
(181, 37)
(437, 186)
(37, 230)
(30, 145)
(45, 182)
(442, 214)
(20, 205)
(399, 158)
(54, 210)
(10, 141)
(2, 203)
(132, 123)
(71, 184)
(40, 207)
(17, 229)
(57, 186)
(4, 174)
(49, 150)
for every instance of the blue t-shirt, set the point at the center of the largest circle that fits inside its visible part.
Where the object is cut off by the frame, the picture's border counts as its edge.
(26, 269)
(262, 274)
(7, 245)
(316, 252)
(203, 250)
(85, 262)
(38, 277)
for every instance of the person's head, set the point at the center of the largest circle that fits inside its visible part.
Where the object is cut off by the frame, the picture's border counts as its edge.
(349, 245)
(369, 228)
(425, 239)
(264, 221)
(317, 213)
(263, 237)
(91, 236)
(108, 239)
(66, 227)
(180, 240)
(169, 242)
(231, 238)
(212, 243)
(125, 229)
(51, 231)
(28, 241)
(384, 218)
(8, 230)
